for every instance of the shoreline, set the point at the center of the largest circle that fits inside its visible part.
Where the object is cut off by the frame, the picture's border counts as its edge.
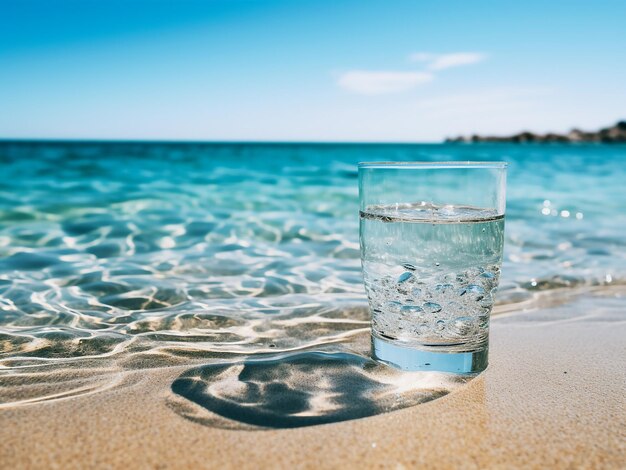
(533, 407)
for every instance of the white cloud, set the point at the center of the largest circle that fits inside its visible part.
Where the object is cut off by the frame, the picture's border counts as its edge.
(381, 82)
(446, 61)
(376, 82)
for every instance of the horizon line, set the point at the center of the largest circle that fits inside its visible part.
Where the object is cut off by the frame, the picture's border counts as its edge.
(193, 141)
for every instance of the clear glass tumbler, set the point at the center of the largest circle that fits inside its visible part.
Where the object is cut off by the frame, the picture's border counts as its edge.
(432, 236)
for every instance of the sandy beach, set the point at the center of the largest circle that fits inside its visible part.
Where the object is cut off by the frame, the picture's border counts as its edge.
(312, 235)
(553, 396)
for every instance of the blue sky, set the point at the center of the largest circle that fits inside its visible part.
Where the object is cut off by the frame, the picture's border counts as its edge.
(308, 70)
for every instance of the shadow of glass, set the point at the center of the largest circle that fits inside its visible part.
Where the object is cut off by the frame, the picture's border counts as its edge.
(301, 389)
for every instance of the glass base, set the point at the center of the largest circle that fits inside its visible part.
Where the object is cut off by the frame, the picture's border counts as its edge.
(412, 359)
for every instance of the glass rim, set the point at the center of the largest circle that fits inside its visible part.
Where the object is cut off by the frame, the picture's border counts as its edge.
(434, 165)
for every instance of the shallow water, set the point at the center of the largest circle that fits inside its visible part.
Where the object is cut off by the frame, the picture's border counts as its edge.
(118, 257)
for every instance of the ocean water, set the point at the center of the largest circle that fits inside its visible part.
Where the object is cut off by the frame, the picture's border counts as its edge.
(234, 260)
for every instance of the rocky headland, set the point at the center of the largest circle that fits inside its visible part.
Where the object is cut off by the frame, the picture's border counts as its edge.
(613, 134)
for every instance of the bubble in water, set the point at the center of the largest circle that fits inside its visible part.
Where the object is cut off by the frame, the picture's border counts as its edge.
(404, 277)
(489, 279)
(422, 329)
(440, 325)
(412, 309)
(394, 306)
(409, 267)
(432, 307)
(475, 290)
(443, 288)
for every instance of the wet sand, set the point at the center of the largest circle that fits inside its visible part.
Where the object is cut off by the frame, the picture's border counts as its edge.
(553, 396)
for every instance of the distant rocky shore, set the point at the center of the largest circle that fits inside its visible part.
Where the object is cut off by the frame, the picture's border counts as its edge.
(613, 134)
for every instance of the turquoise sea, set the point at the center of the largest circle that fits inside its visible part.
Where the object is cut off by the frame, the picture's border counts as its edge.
(129, 256)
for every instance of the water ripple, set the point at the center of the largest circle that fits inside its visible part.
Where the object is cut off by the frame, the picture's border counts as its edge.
(123, 257)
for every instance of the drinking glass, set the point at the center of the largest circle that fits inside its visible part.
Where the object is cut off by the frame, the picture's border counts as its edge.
(431, 249)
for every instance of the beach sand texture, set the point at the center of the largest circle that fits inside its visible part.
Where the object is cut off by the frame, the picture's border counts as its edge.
(553, 397)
